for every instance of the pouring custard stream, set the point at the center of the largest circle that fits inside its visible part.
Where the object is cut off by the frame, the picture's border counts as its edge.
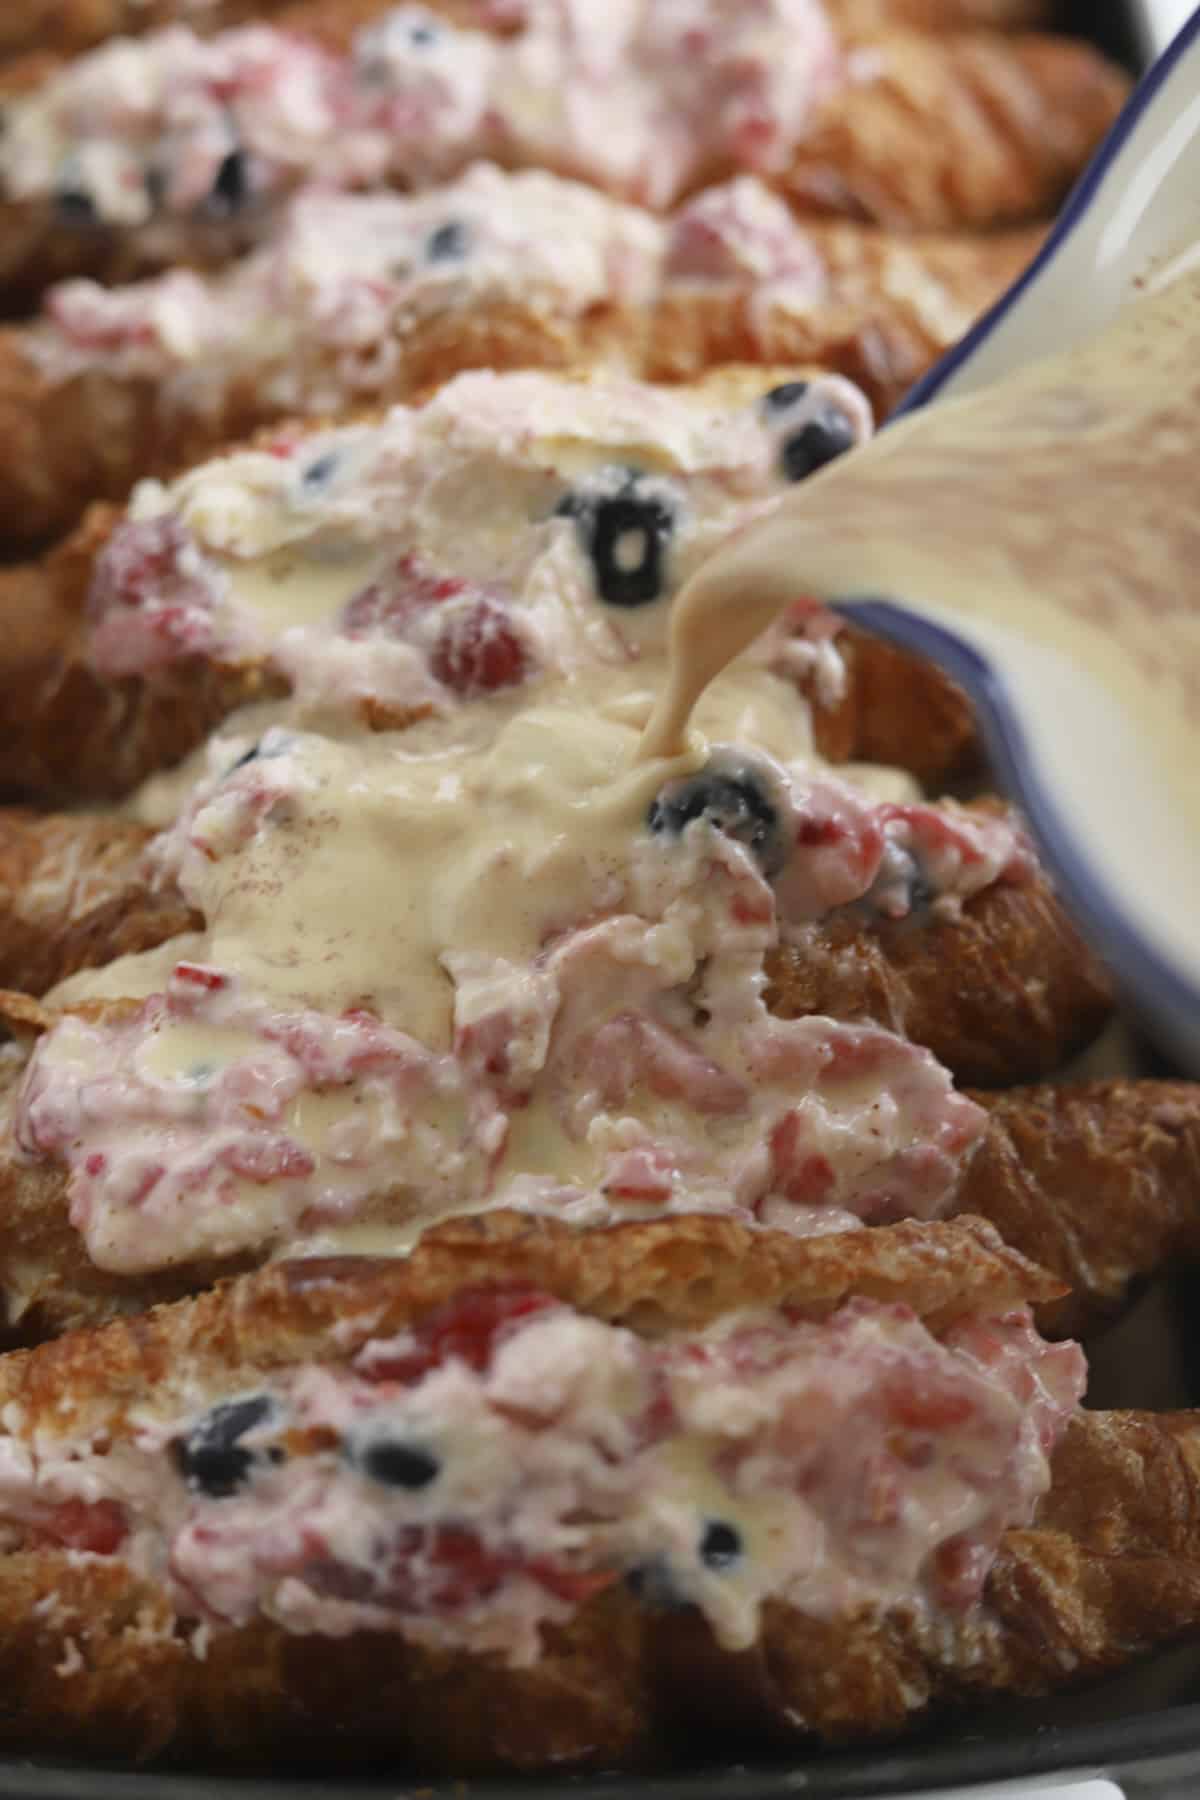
(1050, 521)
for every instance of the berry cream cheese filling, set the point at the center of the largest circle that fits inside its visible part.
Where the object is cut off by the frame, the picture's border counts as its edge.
(495, 960)
(342, 556)
(320, 314)
(644, 99)
(489, 1470)
(172, 124)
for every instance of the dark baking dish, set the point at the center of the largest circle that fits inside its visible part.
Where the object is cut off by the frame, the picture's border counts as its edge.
(1142, 1729)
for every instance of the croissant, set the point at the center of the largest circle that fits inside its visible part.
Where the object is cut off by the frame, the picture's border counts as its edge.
(1004, 992)
(1016, 120)
(1098, 1181)
(65, 730)
(69, 27)
(108, 387)
(77, 891)
(1018, 117)
(72, 730)
(894, 305)
(246, 1416)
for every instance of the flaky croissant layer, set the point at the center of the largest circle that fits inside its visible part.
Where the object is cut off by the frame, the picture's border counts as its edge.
(837, 128)
(326, 1447)
(1104, 1569)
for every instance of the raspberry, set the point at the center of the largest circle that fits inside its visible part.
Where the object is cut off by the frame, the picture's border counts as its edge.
(475, 646)
(923, 1402)
(464, 1571)
(466, 1328)
(391, 605)
(149, 603)
(803, 1177)
(97, 1526)
(479, 650)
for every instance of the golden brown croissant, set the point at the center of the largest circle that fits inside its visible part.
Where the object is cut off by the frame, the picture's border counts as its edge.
(898, 710)
(96, 1657)
(75, 892)
(67, 731)
(70, 732)
(83, 424)
(1004, 992)
(860, 16)
(894, 305)
(850, 15)
(69, 27)
(1017, 119)
(1097, 1180)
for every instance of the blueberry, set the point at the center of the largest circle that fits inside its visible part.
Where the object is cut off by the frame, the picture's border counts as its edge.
(155, 180)
(230, 186)
(626, 536)
(654, 1584)
(74, 206)
(828, 434)
(731, 797)
(400, 1465)
(922, 891)
(786, 395)
(320, 472)
(449, 243)
(720, 1546)
(210, 1458)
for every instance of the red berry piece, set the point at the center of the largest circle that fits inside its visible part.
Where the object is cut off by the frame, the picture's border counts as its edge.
(925, 1400)
(149, 603)
(467, 1328)
(479, 649)
(391, 606)
(95, 1526)
(799, 1173)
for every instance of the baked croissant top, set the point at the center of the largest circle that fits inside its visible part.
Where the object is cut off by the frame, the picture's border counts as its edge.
(465, 1446)
(174, 148)
(460, 947)
(585, 1330)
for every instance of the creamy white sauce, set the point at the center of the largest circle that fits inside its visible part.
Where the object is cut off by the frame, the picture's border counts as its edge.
(490, 958)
